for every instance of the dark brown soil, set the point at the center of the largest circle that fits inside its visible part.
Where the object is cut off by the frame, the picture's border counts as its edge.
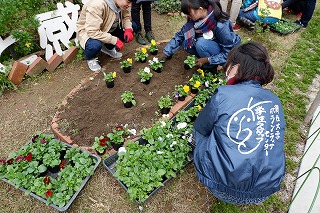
(95, 109)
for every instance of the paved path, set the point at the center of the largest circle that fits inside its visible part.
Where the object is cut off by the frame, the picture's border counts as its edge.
(305, 197)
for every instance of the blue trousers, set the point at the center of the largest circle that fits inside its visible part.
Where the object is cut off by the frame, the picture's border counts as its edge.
(308, 12)
(204, 48)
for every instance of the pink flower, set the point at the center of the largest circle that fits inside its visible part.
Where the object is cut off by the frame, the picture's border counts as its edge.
(43, 141)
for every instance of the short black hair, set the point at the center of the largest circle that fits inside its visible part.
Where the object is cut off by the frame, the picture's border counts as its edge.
(254, 63)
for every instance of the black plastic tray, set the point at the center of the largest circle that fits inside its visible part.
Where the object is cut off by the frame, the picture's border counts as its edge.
(111, 162)
(273, 29)
(61, 209)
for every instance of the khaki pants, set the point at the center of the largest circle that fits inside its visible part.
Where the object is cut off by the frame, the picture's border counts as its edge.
(234, 9)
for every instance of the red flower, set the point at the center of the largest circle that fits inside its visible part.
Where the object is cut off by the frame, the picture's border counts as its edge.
(19, 158)
(34, 138)
(10, 161)
(46, 180)
(119, 128)
(29, 157)
(48, 193)
(43, 141)
(3, 161)
(63, 163)
(103, 141)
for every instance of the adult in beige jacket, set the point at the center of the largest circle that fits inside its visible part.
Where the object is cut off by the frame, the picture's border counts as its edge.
(103, 25)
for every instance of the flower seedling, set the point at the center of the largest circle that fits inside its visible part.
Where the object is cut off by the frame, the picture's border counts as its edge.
(153, 48)
(117, 135)
(202, 97)
(165, 102)
(190, 61)
(109, 77)
(195, 81)
(142, 55)
(126, 63)
(181, 91)
(100, 144)
(128, 97)
(145, 74)
(155, 64)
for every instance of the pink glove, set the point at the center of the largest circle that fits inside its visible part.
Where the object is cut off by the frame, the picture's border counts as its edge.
(128, 35)
(119, 45)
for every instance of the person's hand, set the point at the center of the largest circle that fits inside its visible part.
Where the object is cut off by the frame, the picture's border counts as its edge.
(128, 35)
(162, 57)
(201, 61)
(119, 45)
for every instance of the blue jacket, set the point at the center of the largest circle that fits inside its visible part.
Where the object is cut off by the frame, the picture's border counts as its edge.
(223, 35)
(268, 20)
(239, 139)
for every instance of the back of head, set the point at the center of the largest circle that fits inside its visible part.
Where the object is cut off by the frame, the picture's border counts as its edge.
(187, 5)
(254, 63)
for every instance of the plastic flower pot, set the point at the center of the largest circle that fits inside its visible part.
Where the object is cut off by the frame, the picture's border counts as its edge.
(110, 84)
(128, 105)
(154, 52)
(147, 82)
(159, 70)
(143, 61)
(193, 118)
(165, 110)
(126, 69)
(186, 66)
(116, 146)
(55, 169)
(194, 91)
(181, 98)
(100, 154)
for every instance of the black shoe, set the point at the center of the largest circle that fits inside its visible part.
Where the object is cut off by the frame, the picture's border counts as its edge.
(300, 24)
(140, 39)
(247, 23)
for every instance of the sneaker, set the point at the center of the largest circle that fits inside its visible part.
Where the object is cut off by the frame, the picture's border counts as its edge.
(140, 39)
(112, 53)
(247, 23)
(150, 36)
(236, 27)
(303, 26)
(94, 65)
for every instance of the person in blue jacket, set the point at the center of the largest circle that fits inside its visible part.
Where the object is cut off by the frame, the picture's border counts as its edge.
(239, 134)
(208, 34)
(248, 14)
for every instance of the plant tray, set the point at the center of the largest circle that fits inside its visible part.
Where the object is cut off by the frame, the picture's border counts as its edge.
(54, 175)
(284, 27)
(111, 162)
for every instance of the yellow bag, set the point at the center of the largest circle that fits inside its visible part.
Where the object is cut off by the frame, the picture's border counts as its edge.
(274, 7)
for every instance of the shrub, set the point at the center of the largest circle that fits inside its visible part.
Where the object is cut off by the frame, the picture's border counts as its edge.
(166, 6)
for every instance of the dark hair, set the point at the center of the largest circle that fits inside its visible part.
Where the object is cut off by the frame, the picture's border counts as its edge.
(187, 5)
(254, 63)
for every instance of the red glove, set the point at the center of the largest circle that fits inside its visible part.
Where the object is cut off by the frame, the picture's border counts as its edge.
(128, 35)
(119, 45)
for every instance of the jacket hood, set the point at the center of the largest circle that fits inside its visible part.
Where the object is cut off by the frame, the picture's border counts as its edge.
(113, 6)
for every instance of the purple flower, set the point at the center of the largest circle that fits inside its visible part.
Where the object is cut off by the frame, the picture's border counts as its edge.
(176, 95)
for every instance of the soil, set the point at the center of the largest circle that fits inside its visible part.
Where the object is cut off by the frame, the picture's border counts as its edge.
(95, 109)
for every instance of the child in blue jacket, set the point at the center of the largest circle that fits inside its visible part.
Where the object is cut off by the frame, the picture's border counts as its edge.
(208, 34)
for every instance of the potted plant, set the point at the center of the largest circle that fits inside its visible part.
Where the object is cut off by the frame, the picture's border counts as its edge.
(116, 137)
(126, 65)
(141, 55)
(194, 112)
(153, 49)
(145, 75)
(202, 97)
(181, 92)
(128, 99)
(109, 78)
(195, 82)
(155, 65)
(165, 104)
(100, 144)
(190, 62)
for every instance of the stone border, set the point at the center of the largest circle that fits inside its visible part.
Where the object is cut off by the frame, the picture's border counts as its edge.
(54, 124)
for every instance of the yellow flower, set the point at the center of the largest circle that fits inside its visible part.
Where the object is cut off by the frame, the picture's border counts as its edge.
(215, 80)
(201, 72)
(190, 79)
(144, 50)
(186, 88)
(199, 107)
(28, 44)
(114, 74)
(153, 42)
(197, 84)
(129, 60)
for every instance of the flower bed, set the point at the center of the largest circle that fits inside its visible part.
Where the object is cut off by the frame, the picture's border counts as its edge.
(284, 27)
(49, 170)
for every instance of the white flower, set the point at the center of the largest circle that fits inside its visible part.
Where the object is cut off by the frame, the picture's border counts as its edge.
(132, 131)
(190, 139)
(160, 139)
(206, 84)
(125, 126)
(150, 62)
(122, 149)
(159, 152)
(155, 60)
(140, 208)
(169, 135)
(91, 78)
(146, 69)
(183, 137)
(186, 132)
(173, 143)
(163, 124)
(182, 125)
(165, 115)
